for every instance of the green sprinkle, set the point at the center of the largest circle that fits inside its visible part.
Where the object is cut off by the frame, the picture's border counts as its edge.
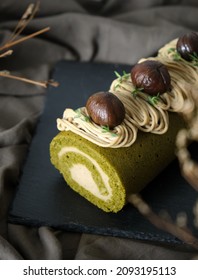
(78, 113)
(170, 50)
(195, 55)
(86, 118)
(82, 116)
(153, 99)
(122, 77)
(125, 75)
(176, 55)
(117, 74)
(116, 85)
(136, 90)
(194, 58)
(105, 128)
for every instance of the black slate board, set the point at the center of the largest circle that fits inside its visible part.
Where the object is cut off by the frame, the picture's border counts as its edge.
(43, 198)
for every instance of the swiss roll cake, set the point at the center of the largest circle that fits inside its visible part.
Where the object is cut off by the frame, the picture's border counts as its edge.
(124, 137)
(106, 176)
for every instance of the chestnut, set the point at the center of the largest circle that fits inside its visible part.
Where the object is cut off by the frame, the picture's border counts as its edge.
(187, 46)
(151, 76)
(105, 109)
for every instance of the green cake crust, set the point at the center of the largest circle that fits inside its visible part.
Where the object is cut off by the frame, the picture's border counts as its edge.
(106, 176)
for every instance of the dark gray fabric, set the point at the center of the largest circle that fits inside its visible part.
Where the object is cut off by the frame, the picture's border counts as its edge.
(86, 30)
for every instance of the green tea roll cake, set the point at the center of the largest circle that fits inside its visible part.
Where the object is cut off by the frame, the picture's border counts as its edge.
(106, 176)
(123, 138)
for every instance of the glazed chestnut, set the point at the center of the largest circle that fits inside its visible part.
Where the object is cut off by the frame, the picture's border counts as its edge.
(187, 45)
(105, 109)
(151, 76)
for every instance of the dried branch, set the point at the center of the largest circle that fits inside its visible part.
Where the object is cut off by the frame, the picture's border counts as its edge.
(159, 222)
(23, 22)
(7, 53)
(45, 84)
(189, 167)
(11, 44)
(28, 15)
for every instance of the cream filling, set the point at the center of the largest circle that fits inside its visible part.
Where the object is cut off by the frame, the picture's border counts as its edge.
(82, 175)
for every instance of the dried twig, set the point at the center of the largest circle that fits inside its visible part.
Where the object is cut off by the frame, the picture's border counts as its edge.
(11, 44)
(189, 167)
(23, 22)
(7, 53)
(29, 14)
(45, 84)
(161, 223)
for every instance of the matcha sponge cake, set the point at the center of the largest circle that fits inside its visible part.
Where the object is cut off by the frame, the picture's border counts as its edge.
(105, 176)
(124, 137)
